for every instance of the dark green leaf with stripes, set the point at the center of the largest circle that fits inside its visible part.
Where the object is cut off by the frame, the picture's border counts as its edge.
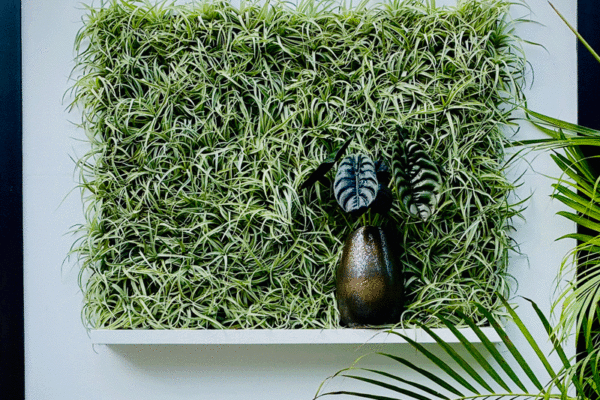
(356, 184)
(417, 179)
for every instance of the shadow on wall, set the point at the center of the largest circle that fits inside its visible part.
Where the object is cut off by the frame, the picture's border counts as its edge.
(297, 369)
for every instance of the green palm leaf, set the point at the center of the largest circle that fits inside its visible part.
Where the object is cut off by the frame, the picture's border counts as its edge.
(424, 388)
(428, 375)
(481, 360)
(357, 394)
(577, 202)
(440, 363)
(532, 342)
(557, 123)
(456, 357)
(580, 220)
(559, 350)
(491, 348)
(384, 385)
(511, 347)
(456, 372)
(580, 183)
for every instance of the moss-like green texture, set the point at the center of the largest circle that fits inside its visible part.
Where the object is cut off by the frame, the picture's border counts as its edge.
(204, 120)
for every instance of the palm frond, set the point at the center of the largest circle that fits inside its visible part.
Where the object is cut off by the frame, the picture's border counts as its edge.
(478, 376)
(578, 189)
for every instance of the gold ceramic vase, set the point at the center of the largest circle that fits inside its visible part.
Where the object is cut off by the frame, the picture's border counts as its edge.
(369, 283)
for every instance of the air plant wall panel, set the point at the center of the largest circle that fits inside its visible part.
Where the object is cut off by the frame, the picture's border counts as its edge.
(204, 121)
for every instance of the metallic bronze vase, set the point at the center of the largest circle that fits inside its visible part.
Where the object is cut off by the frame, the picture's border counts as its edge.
(369, 280)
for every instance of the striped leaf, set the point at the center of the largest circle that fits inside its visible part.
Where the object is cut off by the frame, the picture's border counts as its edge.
(417, 179)
(356, 184)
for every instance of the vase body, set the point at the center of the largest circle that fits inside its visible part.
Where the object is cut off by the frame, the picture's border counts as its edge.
(369, 283)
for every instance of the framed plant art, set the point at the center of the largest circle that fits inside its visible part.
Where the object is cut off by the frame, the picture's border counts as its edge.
(204, 120)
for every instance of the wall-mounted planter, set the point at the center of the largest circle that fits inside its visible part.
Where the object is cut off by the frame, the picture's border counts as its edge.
(277, 336)
(204, 120)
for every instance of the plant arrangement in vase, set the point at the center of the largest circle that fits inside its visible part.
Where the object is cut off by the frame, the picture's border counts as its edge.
(369, 281)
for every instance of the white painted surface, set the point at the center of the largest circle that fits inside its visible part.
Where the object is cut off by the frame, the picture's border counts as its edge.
(280, 336)
(61, 362)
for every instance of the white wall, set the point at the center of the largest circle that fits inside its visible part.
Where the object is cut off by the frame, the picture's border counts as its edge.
(60, 361)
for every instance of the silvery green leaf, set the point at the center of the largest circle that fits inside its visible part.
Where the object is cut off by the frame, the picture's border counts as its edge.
(355, 186)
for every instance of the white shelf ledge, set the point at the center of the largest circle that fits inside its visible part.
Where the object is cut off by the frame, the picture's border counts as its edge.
(277, 336)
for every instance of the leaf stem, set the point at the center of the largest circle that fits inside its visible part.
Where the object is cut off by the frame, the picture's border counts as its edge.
(581, 39)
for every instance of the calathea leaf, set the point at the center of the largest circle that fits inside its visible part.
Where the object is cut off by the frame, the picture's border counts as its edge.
(356, 185)
(319, 173)
(417, 179)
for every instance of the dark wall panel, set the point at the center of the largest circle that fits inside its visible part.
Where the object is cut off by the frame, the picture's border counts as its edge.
(11, 216)
(588, 67)
(588, 70)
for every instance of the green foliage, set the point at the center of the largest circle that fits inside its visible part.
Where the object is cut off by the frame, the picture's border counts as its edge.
(204, 120)
(579, 189)
(477, 375)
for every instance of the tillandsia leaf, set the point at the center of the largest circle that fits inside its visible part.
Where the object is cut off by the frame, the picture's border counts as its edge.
(318, 175)
(356, 184)
(383, 201)
(417, 179)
